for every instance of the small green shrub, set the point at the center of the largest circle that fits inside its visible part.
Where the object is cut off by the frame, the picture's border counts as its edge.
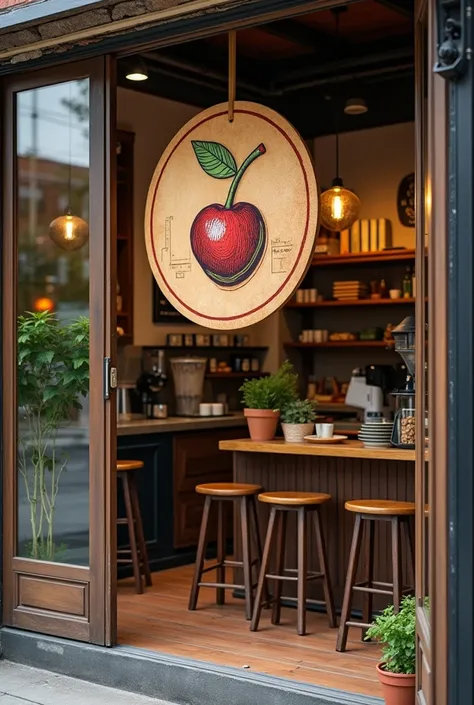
(396, 633)
(273, 392)
(299, 412)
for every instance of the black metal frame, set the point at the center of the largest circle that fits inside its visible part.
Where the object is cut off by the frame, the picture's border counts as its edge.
(461, 385)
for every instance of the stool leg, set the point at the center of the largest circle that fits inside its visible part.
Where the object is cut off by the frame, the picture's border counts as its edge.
(367, 608)
(279, 565)
(201, 549)
(131, 533)
(246, 557)
(302, 571)
(324, 568)
(410, 553)
(221, 546)
(258, 542)
(139, 530)
(257, 610)
(350, 580)
(397, 564)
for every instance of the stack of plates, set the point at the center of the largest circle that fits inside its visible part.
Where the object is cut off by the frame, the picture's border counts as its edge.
(376, 434)
(349, 291)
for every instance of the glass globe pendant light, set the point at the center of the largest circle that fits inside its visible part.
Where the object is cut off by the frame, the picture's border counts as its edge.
(68, 231)
(339, 207)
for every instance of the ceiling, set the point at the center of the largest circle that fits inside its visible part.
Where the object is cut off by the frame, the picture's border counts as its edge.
(295, 66)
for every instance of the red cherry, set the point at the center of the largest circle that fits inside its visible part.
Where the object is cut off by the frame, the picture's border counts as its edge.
(228, 243)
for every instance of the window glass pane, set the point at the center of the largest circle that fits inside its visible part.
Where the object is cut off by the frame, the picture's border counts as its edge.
(52, 178)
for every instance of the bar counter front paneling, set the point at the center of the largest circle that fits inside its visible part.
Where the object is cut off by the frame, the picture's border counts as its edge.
(345, 471)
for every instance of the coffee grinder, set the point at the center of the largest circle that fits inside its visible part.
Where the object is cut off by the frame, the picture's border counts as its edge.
(150, 385)
(403, 434)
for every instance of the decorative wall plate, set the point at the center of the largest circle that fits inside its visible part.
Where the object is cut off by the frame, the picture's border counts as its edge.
(231, 216)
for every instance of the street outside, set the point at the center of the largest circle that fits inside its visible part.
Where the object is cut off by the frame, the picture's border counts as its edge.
(21, 685)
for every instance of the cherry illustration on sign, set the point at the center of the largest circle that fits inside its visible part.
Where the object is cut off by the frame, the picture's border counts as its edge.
(230, 240)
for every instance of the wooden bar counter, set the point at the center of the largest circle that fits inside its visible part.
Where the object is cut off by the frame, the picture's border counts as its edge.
(345, 471)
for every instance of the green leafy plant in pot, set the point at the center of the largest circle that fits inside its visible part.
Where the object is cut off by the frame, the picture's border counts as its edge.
(263, 399)
(297, 420)
(53, 374)
(397, 635)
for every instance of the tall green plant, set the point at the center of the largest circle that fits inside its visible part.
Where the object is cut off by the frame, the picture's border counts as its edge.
(53, 375)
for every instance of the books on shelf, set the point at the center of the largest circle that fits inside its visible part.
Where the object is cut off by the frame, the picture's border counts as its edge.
(367, 235)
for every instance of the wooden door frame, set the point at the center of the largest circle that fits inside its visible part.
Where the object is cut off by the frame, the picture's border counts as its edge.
(96, 582)
(432, 125)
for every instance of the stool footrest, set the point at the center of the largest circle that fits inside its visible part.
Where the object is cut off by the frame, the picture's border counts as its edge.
(362, 625)
(228, 586)
(374, 591)
(294, 578)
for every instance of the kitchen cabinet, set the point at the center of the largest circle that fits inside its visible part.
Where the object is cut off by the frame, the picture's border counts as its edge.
(174, 463)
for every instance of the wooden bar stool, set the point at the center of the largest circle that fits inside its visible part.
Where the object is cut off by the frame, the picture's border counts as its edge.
(371, 511)
(303, 503)
(244, 495)
(133, 519)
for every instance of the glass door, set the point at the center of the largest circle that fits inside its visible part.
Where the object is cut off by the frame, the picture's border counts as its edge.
(431, 365)
(59, 424)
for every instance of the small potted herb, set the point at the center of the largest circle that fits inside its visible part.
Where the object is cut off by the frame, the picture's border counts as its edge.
(263, 399)
(396, 633)
(297, 420)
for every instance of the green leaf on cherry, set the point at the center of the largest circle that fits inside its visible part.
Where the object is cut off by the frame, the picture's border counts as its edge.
(215, 159)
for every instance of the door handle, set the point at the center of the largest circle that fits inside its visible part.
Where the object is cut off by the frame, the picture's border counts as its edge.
(110, 377)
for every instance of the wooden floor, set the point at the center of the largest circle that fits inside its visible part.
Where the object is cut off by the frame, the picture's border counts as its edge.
(159, 620)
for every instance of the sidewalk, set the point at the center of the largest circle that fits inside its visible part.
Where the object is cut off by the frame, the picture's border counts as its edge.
(21, 685)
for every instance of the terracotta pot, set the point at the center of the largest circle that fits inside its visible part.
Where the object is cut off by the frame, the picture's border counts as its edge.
(262, 423)
(397, 688)
(295, 432)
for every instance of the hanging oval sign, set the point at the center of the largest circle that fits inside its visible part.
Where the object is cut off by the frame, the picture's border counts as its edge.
(406, 201)
(231, 216)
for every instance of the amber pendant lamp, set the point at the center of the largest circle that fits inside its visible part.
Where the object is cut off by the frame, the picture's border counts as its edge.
(68, 231)
(339, 206)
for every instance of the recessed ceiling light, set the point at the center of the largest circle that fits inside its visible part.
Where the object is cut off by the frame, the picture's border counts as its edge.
(137, 71)
(355, 106)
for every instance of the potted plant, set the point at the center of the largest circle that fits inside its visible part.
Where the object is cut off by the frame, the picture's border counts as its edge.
(297, 420)
(396, 633)
(53, 374)
(263, 398)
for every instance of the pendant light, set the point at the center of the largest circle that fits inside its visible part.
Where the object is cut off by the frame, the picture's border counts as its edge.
(339, 206)
(69, 232)
(137, 71)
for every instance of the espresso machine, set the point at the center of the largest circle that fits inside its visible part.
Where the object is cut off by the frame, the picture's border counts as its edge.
(403, 434)
(150, 386)
(365, 392)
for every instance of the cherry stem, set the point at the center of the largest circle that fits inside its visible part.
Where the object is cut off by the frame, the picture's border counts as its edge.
(236, 180)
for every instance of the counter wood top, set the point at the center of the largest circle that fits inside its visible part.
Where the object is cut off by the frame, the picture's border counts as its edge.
(174, 424)
(346, 449)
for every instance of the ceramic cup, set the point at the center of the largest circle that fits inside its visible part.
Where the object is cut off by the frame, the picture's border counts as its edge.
(324, 430)
(217, 409)
(299, 296)
(395, 293)
(205, 409)
(313, 295)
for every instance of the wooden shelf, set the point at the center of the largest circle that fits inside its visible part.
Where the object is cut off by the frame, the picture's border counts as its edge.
(357, 302)
(364, 258)
(233, 349)
(235, 375)
(342, 344)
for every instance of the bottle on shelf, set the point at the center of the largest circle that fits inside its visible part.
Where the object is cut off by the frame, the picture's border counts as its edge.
(311, 390)
(383, 289)
(407, 284)
(119, 299)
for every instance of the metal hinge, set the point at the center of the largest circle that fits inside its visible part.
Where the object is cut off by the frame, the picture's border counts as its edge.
(453, 46)
(110, 377)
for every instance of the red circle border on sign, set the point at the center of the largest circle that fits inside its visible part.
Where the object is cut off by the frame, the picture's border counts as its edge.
(282, 286)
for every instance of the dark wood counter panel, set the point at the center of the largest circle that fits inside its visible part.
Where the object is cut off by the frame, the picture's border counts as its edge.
(344, 472)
